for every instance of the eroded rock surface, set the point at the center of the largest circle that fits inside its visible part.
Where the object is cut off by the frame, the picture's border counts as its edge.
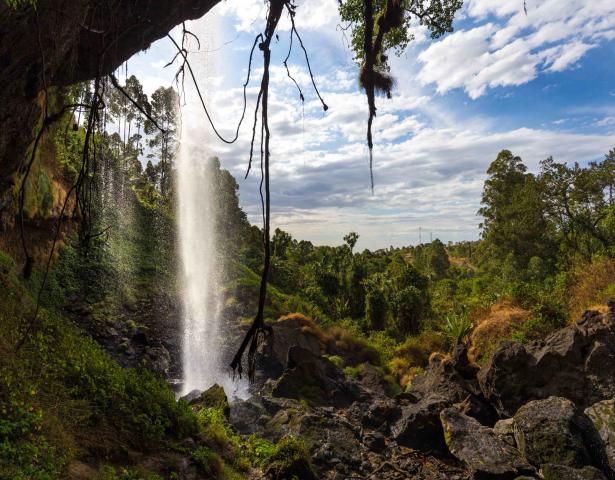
(602, 415)
(576, 362)
(444, 383)
(484, 452)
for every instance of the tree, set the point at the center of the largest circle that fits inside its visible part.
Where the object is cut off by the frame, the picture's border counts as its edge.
(376, 305)
(436, 15)
(351, 240)
(580, 204)
(432, 259)
(164, 106)
(408, 296)
(134, 88)
(408, 306)
(513, 212)
(280, 242)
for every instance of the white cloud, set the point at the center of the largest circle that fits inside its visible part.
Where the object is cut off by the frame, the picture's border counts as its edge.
(513, 48)
(429, 159)
(605, 122)
(428, 173)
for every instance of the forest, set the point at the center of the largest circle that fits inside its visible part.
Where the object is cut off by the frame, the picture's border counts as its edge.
(475, 359)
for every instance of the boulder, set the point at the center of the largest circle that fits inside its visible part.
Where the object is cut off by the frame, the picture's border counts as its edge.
(246, 416)
(442, 385)
(484, 453)
(213, 397)
(379, 414)
(289, 331)
(419, 426)
(158, 359)
(602, 415)
(504, 429)
(329, 436)
(576, 362)
(373, 380)
(563, 472)
(551, 431)
(315, 379)
(192, 395)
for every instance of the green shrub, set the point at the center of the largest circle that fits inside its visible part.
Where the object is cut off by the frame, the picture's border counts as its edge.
(7, 264)
(259, 451)
(290, 459)
(457, 326)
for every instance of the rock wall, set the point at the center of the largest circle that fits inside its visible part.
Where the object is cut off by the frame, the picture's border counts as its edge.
(61, 42)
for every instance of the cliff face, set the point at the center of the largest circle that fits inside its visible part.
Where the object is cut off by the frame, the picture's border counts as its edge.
(61, 42)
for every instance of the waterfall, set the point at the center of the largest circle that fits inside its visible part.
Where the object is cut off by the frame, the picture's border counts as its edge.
(203, 362)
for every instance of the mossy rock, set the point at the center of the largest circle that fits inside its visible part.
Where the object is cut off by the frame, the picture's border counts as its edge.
(562, 472)
(213, 397)
(290, 460)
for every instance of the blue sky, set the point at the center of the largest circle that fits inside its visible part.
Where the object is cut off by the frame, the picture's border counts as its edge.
(538, 84)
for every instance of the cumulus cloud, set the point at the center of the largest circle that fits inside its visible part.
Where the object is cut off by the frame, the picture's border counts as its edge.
(429, 161)
(513, 47)
(427, 173)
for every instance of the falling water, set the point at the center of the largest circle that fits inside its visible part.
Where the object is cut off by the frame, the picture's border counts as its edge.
(202, 343)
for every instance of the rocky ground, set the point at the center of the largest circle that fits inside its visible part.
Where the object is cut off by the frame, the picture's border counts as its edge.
(539, 410)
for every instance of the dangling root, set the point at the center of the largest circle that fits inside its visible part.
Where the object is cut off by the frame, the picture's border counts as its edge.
(258, 326)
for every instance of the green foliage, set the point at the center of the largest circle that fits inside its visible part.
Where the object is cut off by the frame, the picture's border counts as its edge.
(436, 15)
(108, 472)
(457, 326)
(291, 458)
(376, 307)
(259, 451)
(432, 259)
(24, 452)
(514, 225)
(17, 4)
(62, 385)
(7, 264)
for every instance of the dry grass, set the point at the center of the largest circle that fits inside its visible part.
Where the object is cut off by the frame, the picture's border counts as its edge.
(495, 325)
(461, 262)
(414, 355)
(594, 284)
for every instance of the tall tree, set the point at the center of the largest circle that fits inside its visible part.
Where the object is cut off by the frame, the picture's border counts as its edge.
(164, 105)
(580, 204)
(513, 212)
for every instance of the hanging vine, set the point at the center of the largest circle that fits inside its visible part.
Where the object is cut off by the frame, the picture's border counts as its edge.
(258, 328)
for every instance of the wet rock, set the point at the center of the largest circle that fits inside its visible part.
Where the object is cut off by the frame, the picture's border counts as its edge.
(602, 415)
(158, 360)
(485, 454)
(551, 431)
(575, 362)
(192, 395)
(563, 472)
(246, 416)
